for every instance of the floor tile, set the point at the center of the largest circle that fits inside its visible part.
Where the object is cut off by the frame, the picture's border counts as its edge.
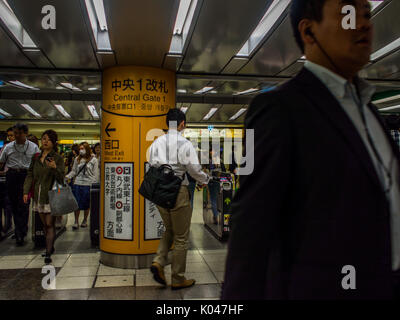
(157, 293)
(19, 257)
(201, 277)
(39, 263)
(9, 274)
(217, 266)
(82, 262)
(220, 276)
(77, 271)
(109, 271)
(201, 291)
(74, 282)
(114, 281)
(86, 255)
(120, 293)
(71, 294)
(214, 258)
(147, 280)
(13, 264)
(197, 267)
(212, 251)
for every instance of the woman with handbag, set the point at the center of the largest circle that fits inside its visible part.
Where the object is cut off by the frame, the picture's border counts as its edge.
(84, 170)
(44, 170)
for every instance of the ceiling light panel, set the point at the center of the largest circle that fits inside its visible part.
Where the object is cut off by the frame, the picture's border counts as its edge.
(389, 108)
(238, 114)
(274, 12)
(387, 99)
(98, 22)
(20, 84)
(93, 111)
(210, 113)
(251, 90)
(204, 90)
(14, 26)
(28, 108)
(5, 113)
(182, 26)
(61, 109)
(391, 47)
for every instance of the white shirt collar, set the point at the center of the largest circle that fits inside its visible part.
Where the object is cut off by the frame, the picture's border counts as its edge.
(337, 84)
(174, 131)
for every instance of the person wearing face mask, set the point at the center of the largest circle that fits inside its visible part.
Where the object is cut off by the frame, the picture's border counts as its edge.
(84, 170)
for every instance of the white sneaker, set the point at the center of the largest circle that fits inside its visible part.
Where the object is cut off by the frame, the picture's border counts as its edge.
(75, 226)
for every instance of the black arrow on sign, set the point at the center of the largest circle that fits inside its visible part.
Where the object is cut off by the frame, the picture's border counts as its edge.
(108, 129)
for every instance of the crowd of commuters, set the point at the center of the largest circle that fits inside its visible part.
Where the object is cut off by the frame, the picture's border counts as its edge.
(29, 170)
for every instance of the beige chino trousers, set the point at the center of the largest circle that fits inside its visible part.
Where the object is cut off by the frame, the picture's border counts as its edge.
(177, 227)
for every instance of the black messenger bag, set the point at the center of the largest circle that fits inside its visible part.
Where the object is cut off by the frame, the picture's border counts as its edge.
(161, 186)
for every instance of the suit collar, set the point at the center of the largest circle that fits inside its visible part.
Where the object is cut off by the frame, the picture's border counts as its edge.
(338, 85)
(326, 103)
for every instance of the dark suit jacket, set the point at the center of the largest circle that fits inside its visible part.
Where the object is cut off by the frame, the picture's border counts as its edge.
(312, 205)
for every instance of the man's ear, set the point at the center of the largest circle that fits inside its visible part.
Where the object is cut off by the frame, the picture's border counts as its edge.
(306, 31)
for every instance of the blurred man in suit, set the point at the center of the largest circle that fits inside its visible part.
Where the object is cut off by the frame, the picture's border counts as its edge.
(319, 217)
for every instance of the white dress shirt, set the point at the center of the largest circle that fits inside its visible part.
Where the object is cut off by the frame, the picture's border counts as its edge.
(175, 150)
(345, 93)
(19, 156)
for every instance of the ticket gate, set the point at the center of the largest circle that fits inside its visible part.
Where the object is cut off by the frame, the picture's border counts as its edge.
(95, 214)
(220, 229)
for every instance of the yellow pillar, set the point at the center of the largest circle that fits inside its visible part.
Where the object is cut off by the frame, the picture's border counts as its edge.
(135, 100)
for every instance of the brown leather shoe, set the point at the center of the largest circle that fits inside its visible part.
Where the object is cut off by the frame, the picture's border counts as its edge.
(158, 273)
(184, 284)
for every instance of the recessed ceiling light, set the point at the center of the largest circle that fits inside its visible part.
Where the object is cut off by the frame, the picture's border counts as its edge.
(210, 113)
(182, 91)
(19, 84)
(251, 90)
(238, 114)
(61, 109)
(274, 12)
(12, 23)
(93, 111)
(28, 108)
(386, 50)
(5, 113)
(204, 90)
(389, 108)
(98, 22)
(182, 25)
(70, 86)
(387, 99)
(93, 89)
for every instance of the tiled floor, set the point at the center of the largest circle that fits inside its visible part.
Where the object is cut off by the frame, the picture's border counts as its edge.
(80, 275)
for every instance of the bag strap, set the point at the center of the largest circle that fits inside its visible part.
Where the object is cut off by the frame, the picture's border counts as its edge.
(81, 169)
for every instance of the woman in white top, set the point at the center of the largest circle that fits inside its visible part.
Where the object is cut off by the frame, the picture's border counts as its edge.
(85, 170)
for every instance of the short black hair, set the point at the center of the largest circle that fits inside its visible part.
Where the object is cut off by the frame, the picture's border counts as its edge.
(21, 127)
(10, 129)
(305, 9)
(175, 115)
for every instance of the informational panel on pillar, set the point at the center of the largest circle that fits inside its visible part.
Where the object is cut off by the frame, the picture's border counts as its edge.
(118, 200)
(153, 223)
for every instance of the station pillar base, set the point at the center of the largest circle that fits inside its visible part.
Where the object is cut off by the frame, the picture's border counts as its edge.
(126, 261)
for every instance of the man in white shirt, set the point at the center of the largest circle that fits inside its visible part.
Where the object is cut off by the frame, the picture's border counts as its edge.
(173, 149)
(17, 156)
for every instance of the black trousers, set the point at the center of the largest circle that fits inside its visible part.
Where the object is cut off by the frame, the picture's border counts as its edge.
(5, 208)
(20, 210)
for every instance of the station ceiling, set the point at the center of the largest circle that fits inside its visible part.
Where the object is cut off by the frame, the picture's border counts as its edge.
(234, 48)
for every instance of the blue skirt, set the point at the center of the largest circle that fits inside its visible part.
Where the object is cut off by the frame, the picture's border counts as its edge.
(82, 196)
